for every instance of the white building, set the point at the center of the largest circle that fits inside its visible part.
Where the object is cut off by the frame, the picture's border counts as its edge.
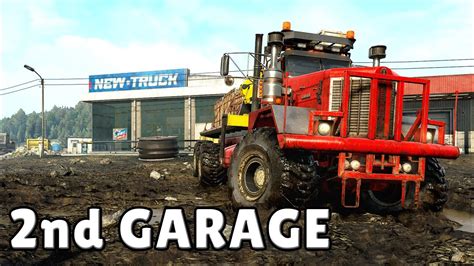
(79, 145)
(128, 106)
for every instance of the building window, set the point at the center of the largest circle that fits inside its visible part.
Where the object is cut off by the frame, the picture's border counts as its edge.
(105, 117)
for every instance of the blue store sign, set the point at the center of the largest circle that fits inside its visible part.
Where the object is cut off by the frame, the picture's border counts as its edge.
(139, 80)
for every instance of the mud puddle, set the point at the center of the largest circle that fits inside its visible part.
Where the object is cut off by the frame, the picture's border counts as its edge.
(466, 219)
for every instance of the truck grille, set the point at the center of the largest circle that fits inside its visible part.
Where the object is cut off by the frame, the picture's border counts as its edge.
(359, 106)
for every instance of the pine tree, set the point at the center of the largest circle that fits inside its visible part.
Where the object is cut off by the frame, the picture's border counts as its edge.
(61, 123)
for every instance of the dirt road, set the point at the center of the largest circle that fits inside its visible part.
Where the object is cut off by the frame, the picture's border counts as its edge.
(66, 187)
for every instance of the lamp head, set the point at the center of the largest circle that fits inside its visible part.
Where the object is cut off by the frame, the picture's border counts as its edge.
(29, 68)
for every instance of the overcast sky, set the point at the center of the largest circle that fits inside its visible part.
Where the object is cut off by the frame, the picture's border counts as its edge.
(68, 38)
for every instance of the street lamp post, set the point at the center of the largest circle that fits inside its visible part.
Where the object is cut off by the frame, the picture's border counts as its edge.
(43, 133)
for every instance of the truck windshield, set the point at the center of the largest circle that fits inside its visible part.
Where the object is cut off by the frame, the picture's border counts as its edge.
(297, 65)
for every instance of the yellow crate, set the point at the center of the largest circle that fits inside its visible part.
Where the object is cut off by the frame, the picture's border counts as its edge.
(34, 144)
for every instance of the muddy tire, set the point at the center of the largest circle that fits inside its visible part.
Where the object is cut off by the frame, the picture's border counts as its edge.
(210, 171)
(196, 154)
(388, 200)
(434, 191)
(261, 174)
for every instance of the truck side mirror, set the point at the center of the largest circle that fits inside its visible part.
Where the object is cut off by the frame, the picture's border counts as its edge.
(225, 65)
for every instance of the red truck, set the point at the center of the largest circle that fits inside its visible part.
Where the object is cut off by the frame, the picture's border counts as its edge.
(316, 127)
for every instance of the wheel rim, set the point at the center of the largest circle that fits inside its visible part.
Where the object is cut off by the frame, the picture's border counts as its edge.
(253, 178)
(259, 177)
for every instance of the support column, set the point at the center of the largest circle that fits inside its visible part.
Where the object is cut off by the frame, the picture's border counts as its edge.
(193, 120)
(187, 122)
(136, 122)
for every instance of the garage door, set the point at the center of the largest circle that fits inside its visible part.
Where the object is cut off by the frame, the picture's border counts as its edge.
(163, 118)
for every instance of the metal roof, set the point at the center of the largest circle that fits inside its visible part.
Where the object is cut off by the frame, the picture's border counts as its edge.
(463, 83)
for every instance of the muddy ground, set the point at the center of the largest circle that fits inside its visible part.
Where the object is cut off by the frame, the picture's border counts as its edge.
(66, 187)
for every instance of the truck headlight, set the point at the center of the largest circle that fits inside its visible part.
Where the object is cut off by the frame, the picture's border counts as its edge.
(406, 167)
(355, 165)
(324, 128)
(429, 136)
(347, 164)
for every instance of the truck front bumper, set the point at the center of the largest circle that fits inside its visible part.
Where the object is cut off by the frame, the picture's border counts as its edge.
(367, 146)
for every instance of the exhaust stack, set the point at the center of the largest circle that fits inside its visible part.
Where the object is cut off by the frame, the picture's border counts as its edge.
(257, 67)
(273, 77)
(376, 53)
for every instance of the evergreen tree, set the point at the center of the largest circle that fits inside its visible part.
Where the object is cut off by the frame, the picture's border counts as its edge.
(61, 123)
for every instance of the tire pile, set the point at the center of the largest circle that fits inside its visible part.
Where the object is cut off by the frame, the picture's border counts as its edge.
(157, 147)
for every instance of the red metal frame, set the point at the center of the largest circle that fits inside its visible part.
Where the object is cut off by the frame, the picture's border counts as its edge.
(367, 146)
(313, 124)
(390, 152)
(441, 129)
(358, 176)
(374, 104)
(414, 127)
(228, 151)
(371, 146)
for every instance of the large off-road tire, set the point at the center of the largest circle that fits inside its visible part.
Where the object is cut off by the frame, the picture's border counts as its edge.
(388, 200)
(196, 155)
(210, 171)
(264, 175)
(433, 192)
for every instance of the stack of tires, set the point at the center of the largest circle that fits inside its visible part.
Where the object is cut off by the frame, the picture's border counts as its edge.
(157, 147)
